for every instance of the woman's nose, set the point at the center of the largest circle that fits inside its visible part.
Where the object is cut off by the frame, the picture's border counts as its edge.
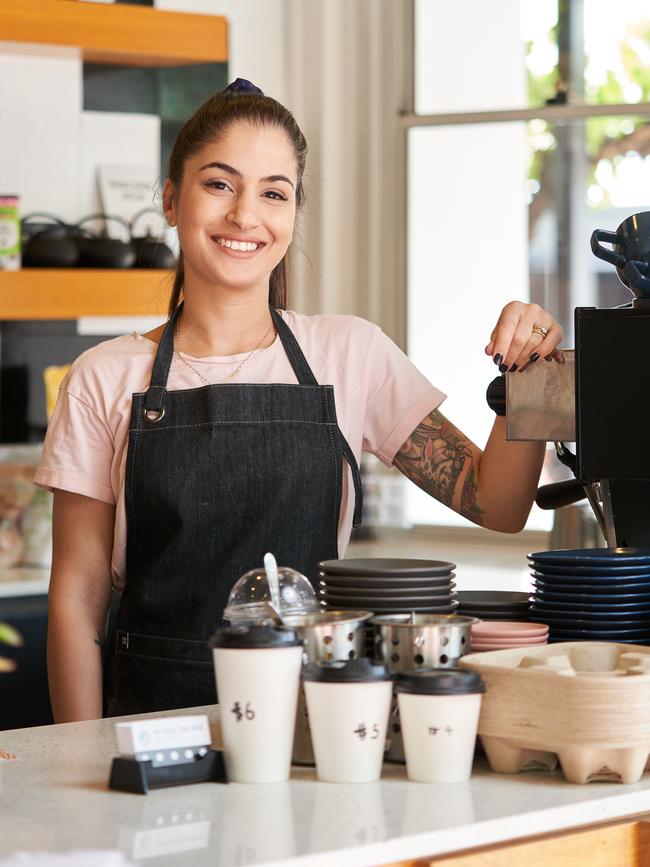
(243, 213)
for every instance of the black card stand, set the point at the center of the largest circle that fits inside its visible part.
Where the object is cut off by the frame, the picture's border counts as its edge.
(131, 775)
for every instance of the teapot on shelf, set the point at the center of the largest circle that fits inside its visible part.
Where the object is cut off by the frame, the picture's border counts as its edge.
(151, 250)
(98, 250)
(48, 241)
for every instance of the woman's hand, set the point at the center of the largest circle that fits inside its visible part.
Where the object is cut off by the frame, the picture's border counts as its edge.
(524, 334)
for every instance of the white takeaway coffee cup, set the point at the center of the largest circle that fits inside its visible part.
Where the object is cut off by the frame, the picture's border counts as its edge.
(348, 703)
(257, 670)
(439, 711)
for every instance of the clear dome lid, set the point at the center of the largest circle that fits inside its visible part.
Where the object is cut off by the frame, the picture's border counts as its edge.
(251, 601)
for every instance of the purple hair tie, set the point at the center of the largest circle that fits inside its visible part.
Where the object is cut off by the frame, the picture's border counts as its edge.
(241, 85)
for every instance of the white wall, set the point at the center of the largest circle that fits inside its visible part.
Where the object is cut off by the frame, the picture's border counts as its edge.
(256, 38)
(49, 147)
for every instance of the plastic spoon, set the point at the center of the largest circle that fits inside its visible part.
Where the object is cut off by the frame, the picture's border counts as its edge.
(271, 568)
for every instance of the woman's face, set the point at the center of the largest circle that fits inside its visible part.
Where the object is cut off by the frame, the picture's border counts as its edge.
(236, 207)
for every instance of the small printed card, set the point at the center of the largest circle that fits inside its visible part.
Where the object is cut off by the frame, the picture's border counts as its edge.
(124, 190)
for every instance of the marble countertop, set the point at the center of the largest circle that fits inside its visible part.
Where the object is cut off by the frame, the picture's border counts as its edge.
(54, 797)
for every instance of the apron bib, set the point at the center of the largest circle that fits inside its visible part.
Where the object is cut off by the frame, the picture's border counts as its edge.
(216, 476)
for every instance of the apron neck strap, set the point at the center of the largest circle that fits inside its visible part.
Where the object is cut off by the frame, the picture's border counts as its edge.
(158, 386)
(155, 396)
(295, 355)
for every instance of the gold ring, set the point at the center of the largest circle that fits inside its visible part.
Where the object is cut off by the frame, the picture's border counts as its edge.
(539, 329)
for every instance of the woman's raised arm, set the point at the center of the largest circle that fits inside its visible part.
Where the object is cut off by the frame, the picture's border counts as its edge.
(495, 487)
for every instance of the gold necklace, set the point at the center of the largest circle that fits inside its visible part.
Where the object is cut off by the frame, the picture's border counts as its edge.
(235, 371)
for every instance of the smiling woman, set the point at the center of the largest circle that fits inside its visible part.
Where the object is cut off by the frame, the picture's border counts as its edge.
(235, 208)
(180, 457)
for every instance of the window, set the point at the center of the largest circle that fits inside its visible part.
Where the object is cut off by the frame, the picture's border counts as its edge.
(531, 127)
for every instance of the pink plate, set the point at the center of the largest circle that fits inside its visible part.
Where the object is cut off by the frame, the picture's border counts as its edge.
(508, 629)
(508, 639)
(509, 642)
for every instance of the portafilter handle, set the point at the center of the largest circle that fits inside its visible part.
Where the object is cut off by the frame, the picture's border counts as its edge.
(564, 493)
(558, 494)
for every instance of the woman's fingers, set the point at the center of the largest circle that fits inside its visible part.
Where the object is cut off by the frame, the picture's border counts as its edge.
(524, 334)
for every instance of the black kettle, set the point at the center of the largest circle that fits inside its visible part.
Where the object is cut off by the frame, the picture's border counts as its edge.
(98, 250)
(150, 248)
(48, 242)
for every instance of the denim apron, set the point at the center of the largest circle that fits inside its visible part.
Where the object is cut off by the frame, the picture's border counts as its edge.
(216, 476)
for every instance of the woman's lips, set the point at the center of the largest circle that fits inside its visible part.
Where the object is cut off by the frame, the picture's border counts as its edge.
(240, 249)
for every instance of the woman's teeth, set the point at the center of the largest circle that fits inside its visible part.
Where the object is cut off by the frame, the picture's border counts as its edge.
(243, 246)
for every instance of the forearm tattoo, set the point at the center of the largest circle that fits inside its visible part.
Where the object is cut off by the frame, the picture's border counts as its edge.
(435, 456)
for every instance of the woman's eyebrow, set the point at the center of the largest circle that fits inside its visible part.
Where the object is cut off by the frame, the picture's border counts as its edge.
(271, 179)
(224, 166)
(232, 171)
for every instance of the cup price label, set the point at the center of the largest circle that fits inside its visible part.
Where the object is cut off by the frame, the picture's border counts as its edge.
(434, 731)
(364, 731)
(243, 711)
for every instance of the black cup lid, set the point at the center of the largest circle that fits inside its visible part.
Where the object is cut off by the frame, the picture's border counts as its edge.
(360, 670)
(248, 637)
(440, 681)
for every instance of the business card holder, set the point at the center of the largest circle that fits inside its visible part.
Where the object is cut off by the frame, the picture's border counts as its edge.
(140, 776)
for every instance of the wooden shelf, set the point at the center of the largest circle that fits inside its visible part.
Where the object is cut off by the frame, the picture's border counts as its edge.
(117, 33)
(61, 293)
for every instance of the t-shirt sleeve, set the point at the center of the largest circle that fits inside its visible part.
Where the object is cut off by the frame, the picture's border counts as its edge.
(399, 398)
(78, 450)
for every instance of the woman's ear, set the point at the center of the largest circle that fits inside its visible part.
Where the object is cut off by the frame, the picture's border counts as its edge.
(169, 200)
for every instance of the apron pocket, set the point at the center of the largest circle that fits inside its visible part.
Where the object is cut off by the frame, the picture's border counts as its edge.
(152, 673)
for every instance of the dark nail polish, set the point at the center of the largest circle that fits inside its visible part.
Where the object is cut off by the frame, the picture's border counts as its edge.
(513, 368)
(503, 368)
(498, 358)
(534, 356)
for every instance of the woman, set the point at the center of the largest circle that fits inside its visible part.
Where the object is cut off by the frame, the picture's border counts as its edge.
(179, 457)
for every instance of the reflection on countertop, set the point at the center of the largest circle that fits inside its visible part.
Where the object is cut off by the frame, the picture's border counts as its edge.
(54, 797)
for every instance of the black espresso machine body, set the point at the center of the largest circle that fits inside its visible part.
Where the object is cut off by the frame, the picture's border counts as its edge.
(605, 405)
(612, 416)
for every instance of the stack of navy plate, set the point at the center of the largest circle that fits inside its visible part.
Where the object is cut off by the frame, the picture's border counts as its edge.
(388, 586)
(493, 604)
(593, 594)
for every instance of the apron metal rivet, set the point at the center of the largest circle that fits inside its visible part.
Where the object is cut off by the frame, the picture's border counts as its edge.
(153, 415)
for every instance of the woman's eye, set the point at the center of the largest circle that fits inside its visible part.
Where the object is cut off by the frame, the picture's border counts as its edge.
(274, 194)
(217, 185)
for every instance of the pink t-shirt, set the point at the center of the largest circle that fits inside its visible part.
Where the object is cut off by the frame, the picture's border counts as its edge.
(380, 399)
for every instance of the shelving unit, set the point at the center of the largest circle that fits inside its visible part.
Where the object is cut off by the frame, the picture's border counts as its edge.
(61, 293)
(117, 33)
(121, 34)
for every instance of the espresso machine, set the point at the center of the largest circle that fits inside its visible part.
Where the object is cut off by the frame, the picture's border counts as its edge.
(599, 399)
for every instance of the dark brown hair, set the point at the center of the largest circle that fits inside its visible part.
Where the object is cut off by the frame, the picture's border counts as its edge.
(212, 120)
